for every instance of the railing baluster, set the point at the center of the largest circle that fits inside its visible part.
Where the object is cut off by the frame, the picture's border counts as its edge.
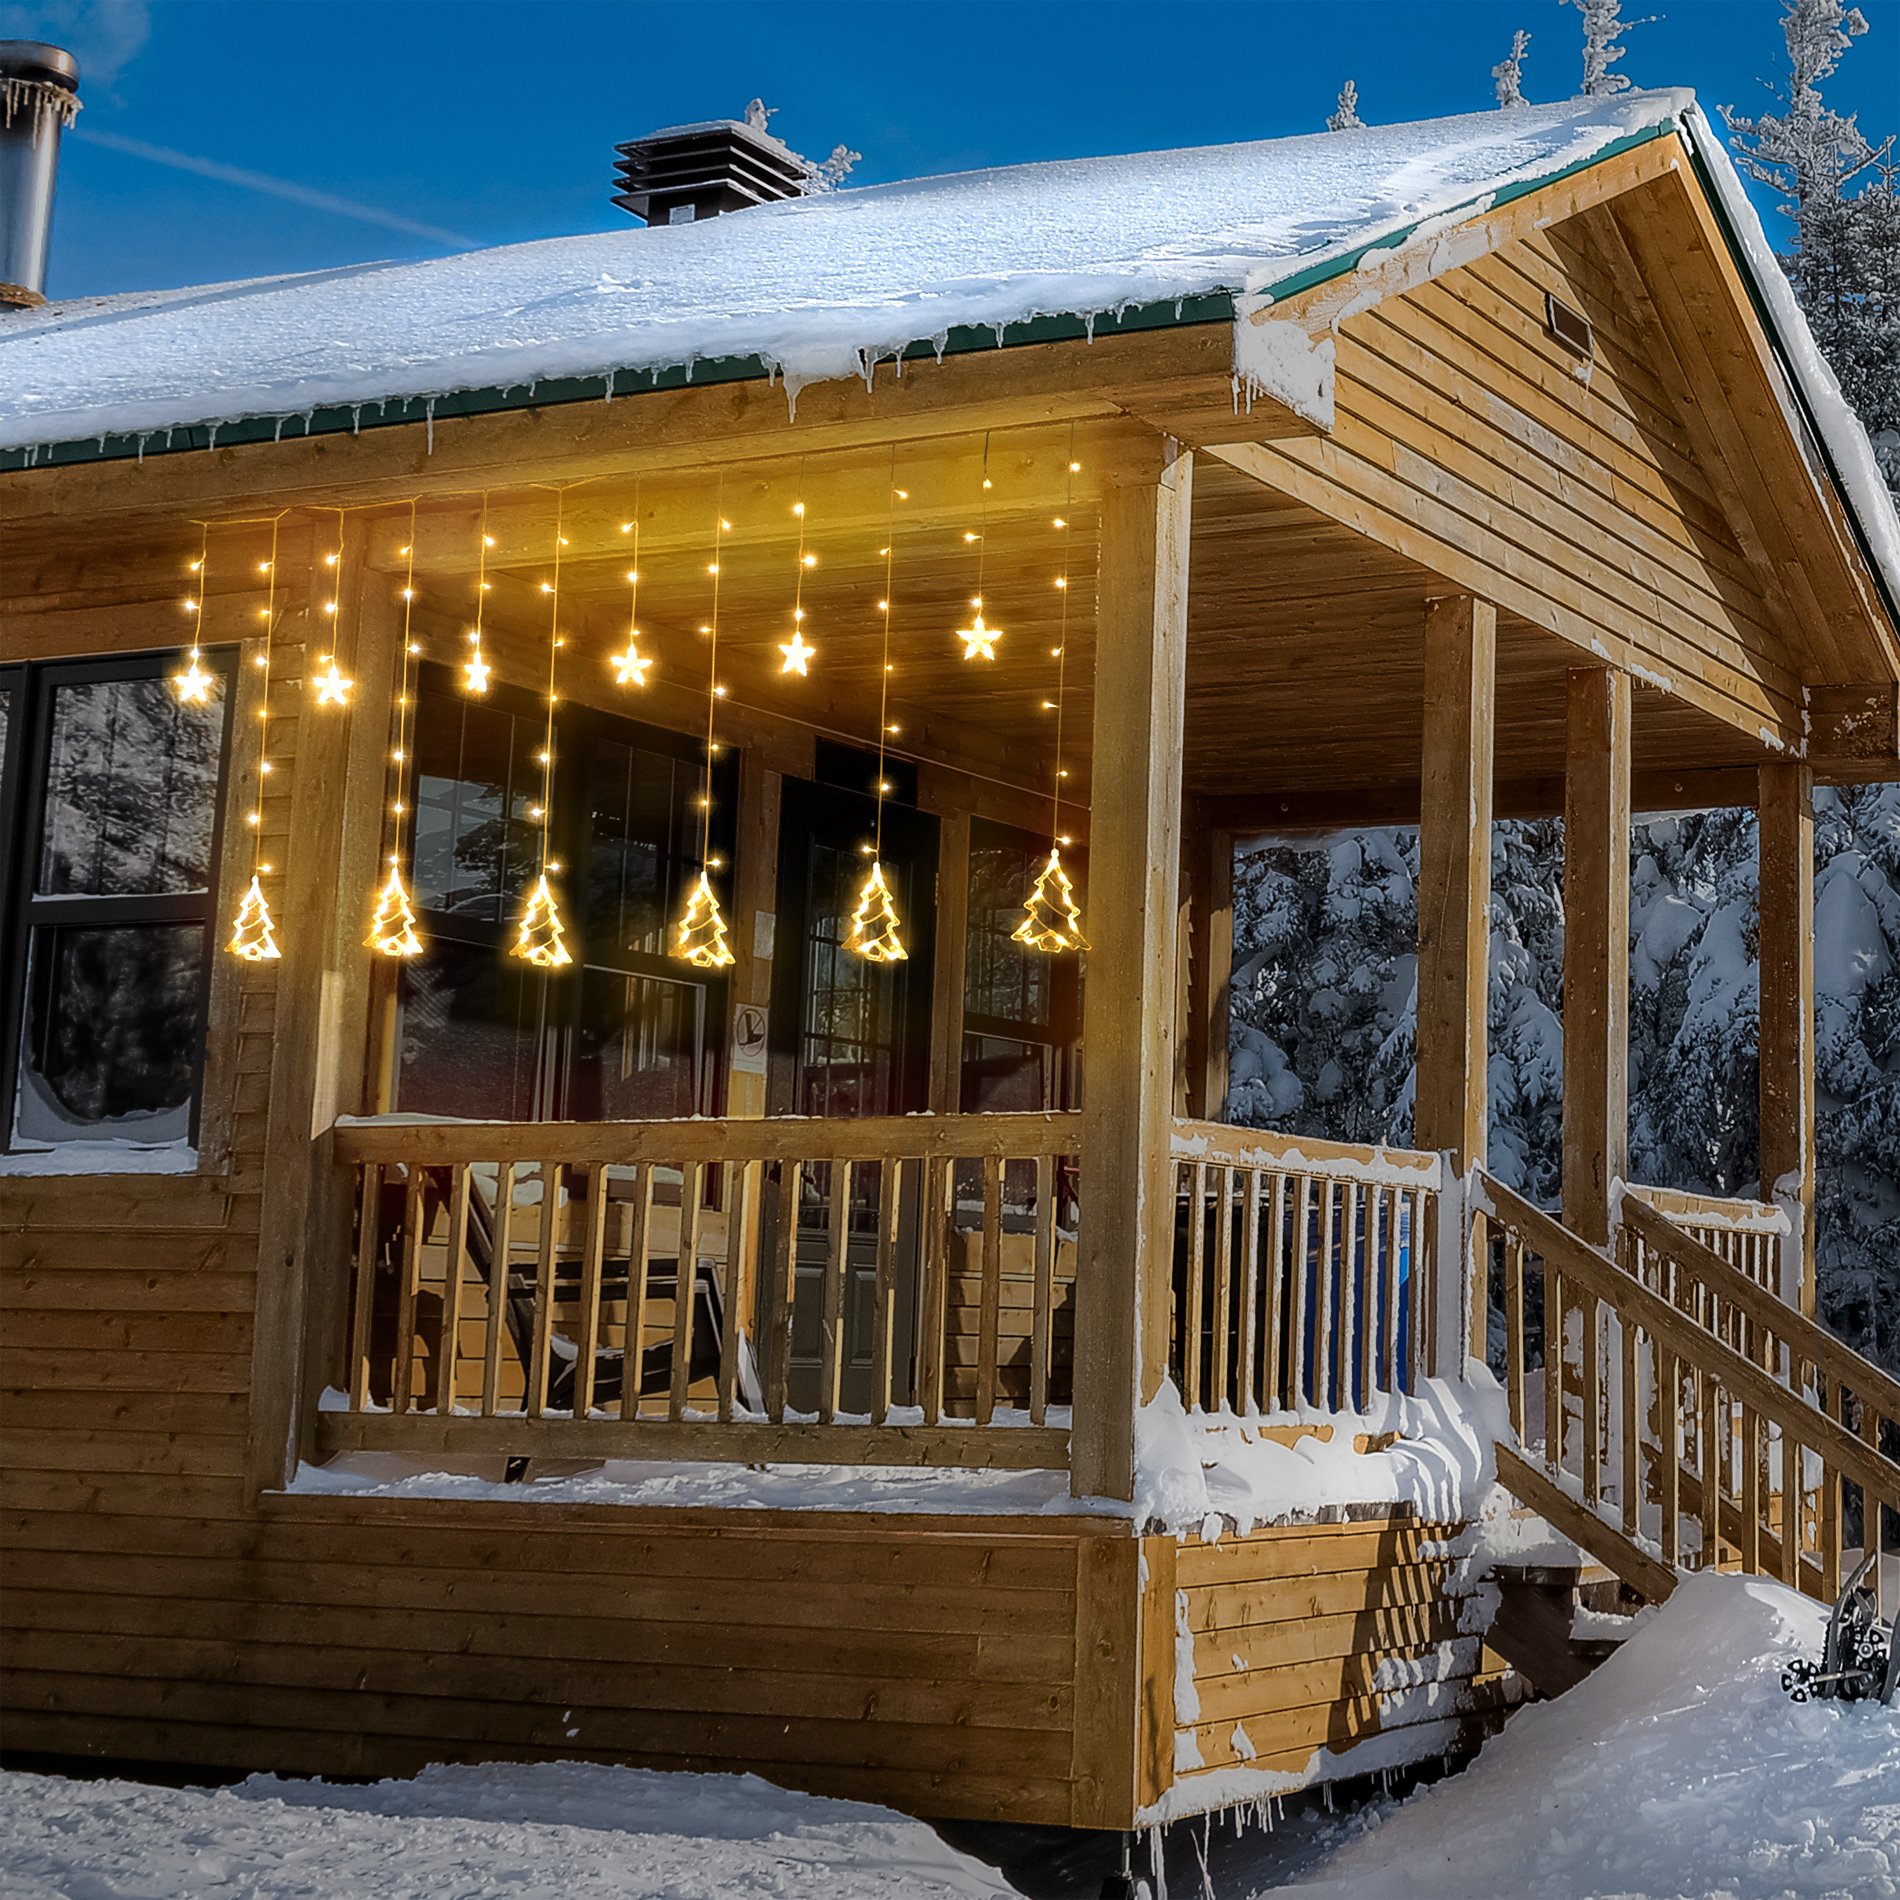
(501, 1228)
(639, 1227)
(837, 1267)
(890, 1200)
(1191, 1318)
(1514, 1333)
(1275, 1380)
(934, 1288)
(1320, 1390)
(1711, 1474)
(785, 1278)
(1042, 1316)
(593, 1248)
(1669, 1382)
(1590, 1399)
(1827, 1530)
(1553, 1367)
(1346, 1303)
(1297, 1393)
(686, 1287)
(1223, 1284)
(1247, 1379)
(1421, 1277)
(1751, 1454)
(1792, 1527)
(449, 1337)
(543, 1326)
(736, 1309)
(363, 1291)
(990, 1311)
(1396, 1380)
(401, 1396)
(1632, 1417)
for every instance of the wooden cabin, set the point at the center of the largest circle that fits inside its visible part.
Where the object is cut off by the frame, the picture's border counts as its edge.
(755, 1359)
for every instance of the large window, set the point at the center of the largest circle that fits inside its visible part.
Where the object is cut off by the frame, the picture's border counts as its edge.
(111, 795)
(1021, 1008)
(628, 1031)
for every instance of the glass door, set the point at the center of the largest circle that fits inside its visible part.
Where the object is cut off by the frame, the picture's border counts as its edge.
(849, 1038)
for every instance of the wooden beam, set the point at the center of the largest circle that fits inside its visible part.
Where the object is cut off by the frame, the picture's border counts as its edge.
(1299, 812)
(1596, 948)
(946, 1002)
(1127, 1234)
(1208, 865)
(327, 866)
(1454, 894)
(1786, 830)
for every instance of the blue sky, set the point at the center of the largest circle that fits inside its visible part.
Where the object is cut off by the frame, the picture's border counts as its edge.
(490, 121)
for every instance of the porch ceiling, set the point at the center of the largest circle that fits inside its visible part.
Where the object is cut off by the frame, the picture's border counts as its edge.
(1306, 672)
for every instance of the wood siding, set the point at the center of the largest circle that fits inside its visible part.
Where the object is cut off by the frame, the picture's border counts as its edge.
(1321, 1636)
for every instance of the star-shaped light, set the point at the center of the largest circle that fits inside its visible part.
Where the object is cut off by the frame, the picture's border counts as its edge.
(333, 688)
(979, 641)
(797, 654)
(194, 684)
(475, 672)
(630, 667)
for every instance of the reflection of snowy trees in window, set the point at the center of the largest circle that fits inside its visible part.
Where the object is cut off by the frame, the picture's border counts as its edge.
(111, 1032)
(131, 784)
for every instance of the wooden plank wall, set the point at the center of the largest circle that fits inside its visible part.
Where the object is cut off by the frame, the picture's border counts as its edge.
(1572, 494)
(1314, 1636)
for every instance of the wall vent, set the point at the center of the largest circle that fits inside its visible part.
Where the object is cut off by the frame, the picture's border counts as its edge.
(1570, 327)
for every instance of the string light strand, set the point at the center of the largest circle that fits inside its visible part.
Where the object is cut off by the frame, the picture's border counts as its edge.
(392, 929)
(194, 684)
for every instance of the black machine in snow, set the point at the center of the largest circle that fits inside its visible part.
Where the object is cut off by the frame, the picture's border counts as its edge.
(1861, 1661)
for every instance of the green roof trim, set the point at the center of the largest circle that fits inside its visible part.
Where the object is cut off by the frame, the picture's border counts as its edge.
(395, 411)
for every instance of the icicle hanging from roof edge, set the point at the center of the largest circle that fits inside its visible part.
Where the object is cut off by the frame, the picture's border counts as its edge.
(45, 100)
(1158, 1860)
(428, 424)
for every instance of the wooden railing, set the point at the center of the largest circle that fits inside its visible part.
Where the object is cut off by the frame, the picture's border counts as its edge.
(1752, 1236)
(894, 1290)
(1300, 1273)
(1682, 1410)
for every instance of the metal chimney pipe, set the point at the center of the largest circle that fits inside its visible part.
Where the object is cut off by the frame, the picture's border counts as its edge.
(39, 98)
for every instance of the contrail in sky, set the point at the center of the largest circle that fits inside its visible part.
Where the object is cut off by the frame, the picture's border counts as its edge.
(271, 187)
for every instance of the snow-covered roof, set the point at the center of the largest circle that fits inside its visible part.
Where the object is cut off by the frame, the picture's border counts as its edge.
(814, 287)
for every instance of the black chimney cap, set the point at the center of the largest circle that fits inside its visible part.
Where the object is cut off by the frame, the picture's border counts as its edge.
(688, 172)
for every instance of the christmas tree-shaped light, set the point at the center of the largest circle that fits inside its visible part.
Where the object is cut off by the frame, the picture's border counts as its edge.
(1051, 922)
(253, 935)
(701, 938)
(392, 929)
(874, 924)
(538, 936)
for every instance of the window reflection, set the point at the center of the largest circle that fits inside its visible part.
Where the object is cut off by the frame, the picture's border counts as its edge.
(109, 1043)
(1021, 1008)
(131, 790)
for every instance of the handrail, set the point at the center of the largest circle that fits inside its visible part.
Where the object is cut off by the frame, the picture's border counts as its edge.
(1739, 1216)
(779, 1138)
(1806, 1338)
(1627, 1296)
(1227, 1145)
(1651, 1413)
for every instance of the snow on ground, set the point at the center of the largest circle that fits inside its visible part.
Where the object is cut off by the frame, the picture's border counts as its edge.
(1679, 1770)
(563, 1829)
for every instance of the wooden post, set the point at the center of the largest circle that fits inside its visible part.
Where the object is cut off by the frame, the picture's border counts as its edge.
(328, 866)
(1454, 940)
(1454, 877)
(1596, 948)
(1208, 880)
(1127, 1222)
(953, 923)
(1785, 811)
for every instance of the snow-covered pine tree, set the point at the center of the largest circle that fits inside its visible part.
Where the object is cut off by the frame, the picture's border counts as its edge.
(1603, 27)
(1508, 74)
(1845, 262)
(1345, 116)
